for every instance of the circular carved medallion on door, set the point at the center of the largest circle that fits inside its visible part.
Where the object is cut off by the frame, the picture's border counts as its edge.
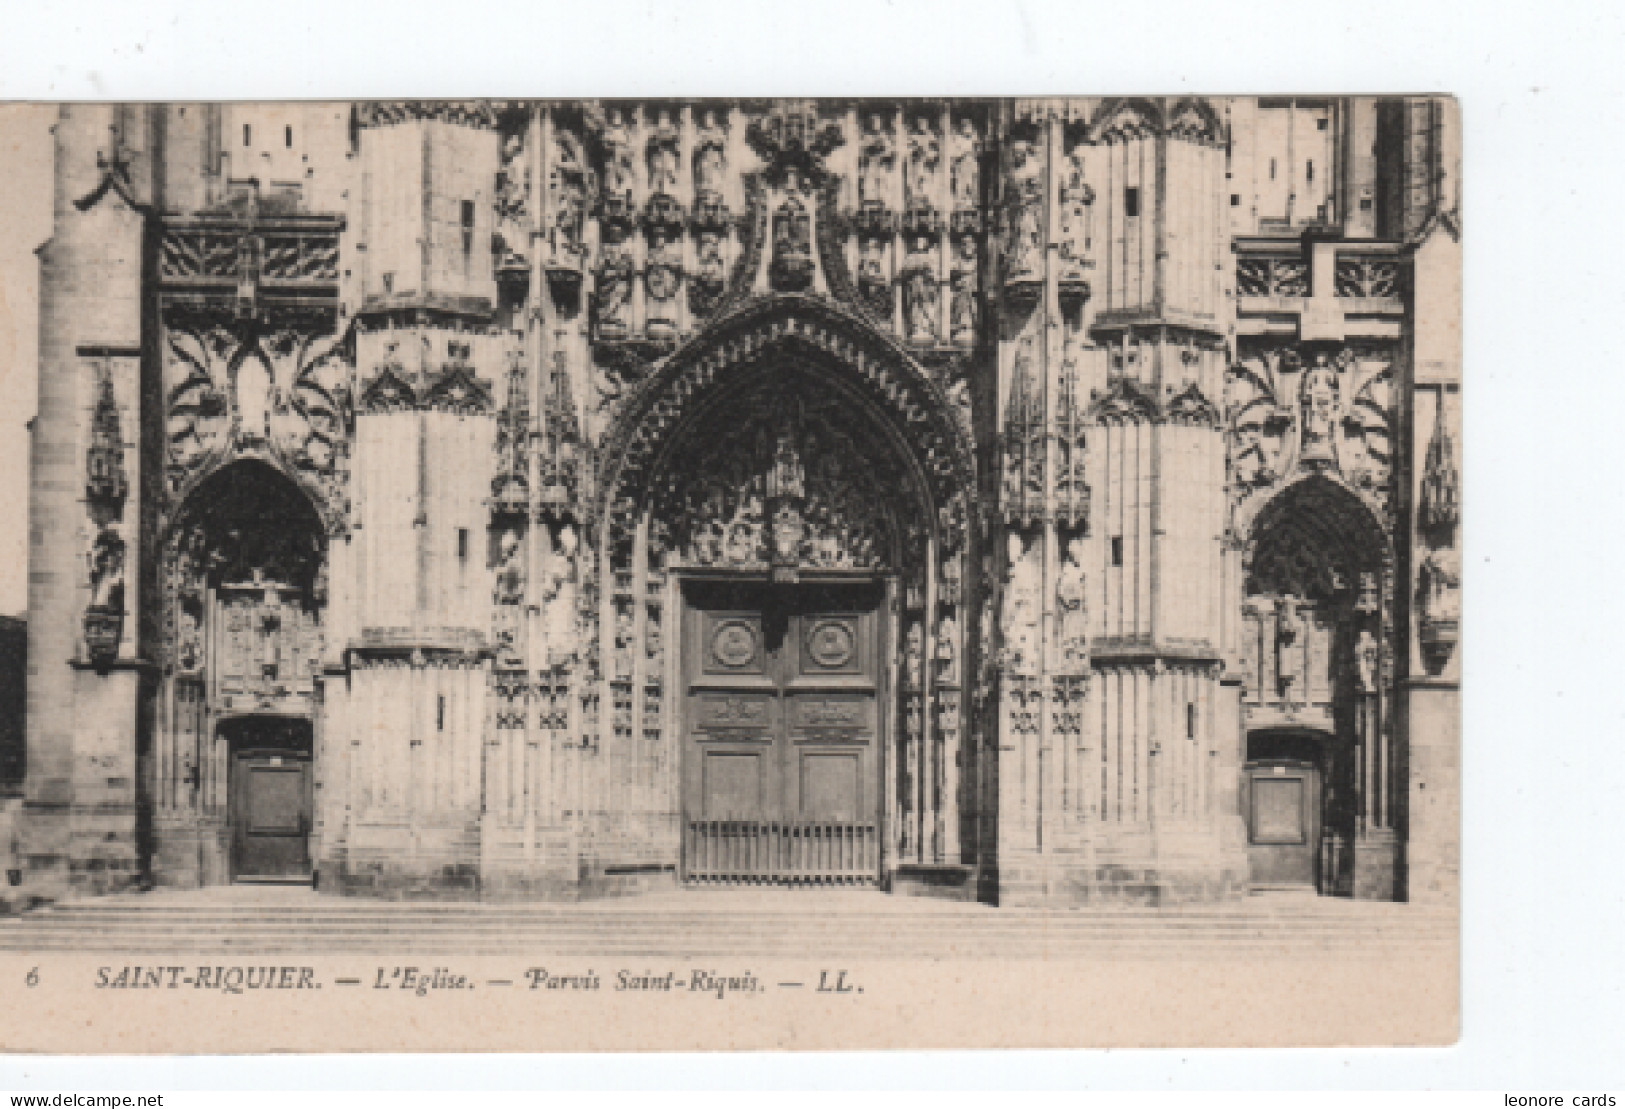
(830, 644)
(734, 644)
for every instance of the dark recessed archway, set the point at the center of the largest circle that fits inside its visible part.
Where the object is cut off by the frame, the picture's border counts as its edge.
(1314, 540)
(249, 519)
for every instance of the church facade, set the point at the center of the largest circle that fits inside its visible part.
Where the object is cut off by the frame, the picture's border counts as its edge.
(1045, 502)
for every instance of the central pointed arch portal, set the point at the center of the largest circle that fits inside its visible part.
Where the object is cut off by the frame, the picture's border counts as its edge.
(785, 527)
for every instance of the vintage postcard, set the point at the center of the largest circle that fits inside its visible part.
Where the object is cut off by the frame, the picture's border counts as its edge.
(737, 574)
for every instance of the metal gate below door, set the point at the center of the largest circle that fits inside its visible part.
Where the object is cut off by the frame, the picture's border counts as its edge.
(743, 852)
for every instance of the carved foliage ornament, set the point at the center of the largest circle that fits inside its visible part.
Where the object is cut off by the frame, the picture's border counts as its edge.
(280, 393)
(792, 134)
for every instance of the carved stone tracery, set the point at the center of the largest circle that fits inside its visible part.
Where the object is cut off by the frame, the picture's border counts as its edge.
(788, 483)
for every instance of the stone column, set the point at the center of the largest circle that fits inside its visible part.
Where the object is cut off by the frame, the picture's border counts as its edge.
(86, 559)
(1428, 778)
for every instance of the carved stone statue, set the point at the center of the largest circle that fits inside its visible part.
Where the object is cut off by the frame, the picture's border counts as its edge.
(624, 632)
(513, 197)
(787, 478)
(255, 392)
(914, 657)
(965, 167)
(743, 540)
(1368, 660)
(510, 575)
(920, 300)
(1077, 202)
(615, 291)
(711, 158)
(874, 287)
(1440, 579)
(963, 287)
(664, 159)
(1024, 248)
(618, 167)
(1072, 613)
(948, 649)
(924, 159)
(189, 633)
(569, 189)
(1020, 655)
(710, 273)
(949, 587)
(560, 599)
(792, 268)
(876, 158)
(1317, 395)
(663, 280)
(789, 529)
(1288, 645)
(107, 572)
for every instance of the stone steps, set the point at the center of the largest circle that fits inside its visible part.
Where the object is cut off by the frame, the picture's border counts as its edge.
(777, 924)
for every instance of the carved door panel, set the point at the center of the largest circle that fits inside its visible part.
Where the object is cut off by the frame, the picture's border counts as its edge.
(781, 761)
(270, 815)
(1283, 806)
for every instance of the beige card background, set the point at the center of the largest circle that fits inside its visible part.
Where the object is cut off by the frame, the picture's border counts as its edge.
(962, 1004)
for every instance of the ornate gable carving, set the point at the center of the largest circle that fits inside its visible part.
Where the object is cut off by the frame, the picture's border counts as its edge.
(1125, 401)
(1194, 119)
(797, 327)
(1121, 120)
(1191, 408)
(389, 391)
(457, 389)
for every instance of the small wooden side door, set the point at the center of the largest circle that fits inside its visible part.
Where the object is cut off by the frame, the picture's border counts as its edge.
(1283, 823)
(270, 815)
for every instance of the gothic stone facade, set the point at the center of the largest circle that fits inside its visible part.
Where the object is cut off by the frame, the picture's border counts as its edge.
(1041, 501)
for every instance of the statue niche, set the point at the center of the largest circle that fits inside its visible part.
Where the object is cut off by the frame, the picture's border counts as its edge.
(793, 265)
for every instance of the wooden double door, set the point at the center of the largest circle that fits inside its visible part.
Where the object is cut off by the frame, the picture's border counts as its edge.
(783, 729)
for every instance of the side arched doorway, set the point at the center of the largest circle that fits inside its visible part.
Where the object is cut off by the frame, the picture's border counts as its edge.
(1318, 791)
(784, 594)
(241, 597)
